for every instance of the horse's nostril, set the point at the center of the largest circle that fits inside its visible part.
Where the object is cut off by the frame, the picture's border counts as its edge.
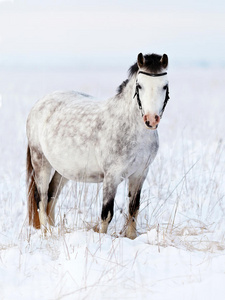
(157, 118)
(148, 124)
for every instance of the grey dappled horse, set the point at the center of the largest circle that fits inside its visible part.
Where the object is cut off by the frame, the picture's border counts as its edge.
(90, 141)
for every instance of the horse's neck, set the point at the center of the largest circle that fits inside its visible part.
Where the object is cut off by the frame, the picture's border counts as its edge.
(124, 105)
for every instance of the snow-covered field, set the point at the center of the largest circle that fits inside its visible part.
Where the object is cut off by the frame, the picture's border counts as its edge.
(180, 250)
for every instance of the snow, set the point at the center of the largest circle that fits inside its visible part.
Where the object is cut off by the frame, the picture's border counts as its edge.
(180, 249)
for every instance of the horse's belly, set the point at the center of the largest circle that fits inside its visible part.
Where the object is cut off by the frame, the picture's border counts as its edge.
(76, 166)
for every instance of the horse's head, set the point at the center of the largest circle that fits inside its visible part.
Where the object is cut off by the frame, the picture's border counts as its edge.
(152, 87)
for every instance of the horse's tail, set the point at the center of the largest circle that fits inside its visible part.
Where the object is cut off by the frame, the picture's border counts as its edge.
(32, 194)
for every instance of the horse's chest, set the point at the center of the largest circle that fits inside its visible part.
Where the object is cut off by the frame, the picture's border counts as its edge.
(128, 154)
(144, 154)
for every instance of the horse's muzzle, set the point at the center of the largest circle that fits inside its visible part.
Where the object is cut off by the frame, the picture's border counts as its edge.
(151, 121)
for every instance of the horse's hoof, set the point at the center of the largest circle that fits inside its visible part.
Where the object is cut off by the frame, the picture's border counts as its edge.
(130, 235)
(96, 228)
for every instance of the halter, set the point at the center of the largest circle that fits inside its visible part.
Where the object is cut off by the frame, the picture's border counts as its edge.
(138, 96)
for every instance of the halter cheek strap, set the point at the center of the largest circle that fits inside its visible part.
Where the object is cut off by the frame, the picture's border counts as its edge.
(165, 101)
(138, 96)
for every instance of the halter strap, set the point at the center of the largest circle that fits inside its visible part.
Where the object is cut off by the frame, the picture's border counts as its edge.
(152, 75)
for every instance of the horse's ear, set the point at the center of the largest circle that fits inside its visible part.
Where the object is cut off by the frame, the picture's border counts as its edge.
(140, 60)
(164, 61)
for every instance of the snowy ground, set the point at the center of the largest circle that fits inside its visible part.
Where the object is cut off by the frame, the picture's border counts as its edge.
(180, 250)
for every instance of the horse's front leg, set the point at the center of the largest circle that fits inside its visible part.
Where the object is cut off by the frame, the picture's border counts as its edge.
(109, 191)
(135, 186)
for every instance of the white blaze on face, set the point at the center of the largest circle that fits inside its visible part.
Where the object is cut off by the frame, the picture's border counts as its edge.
(152, 88)
(152, 93)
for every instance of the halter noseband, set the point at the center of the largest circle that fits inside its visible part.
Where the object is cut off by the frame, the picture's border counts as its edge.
(138, 96)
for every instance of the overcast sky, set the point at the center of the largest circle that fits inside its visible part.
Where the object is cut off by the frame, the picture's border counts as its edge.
(110, 33)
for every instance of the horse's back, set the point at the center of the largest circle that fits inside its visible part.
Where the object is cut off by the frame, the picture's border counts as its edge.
(58, 106)
(60, 101)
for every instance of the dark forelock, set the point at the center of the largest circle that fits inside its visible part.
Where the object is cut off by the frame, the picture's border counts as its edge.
(152, 64)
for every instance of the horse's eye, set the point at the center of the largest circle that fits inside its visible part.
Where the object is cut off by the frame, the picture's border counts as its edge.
(139, 87)
(165, 87)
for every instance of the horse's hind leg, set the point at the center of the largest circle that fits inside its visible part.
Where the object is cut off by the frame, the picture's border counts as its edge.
(42, 173)
(55, 187)
(135, 185)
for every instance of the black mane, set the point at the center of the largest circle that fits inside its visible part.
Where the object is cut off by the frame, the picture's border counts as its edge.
(152, 65)
(122, 86)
